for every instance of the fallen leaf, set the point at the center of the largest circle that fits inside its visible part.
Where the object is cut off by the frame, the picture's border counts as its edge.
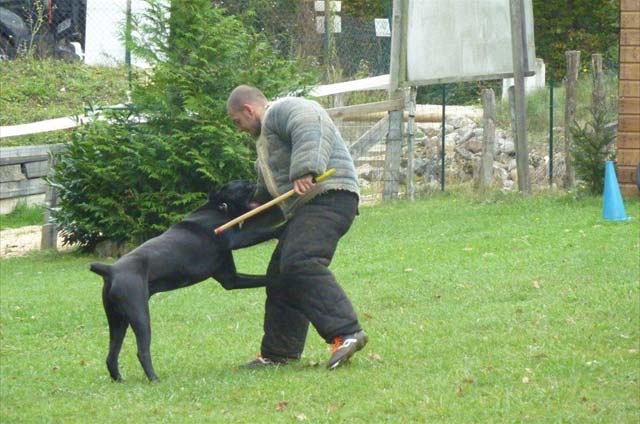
(282, 405)
(375, 357)
(408, 270)
(633, 350)
(301, 417)
(536, 284)
(468, 249)
(525, 380)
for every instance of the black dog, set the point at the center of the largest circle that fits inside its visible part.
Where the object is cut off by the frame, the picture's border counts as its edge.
(185, 254)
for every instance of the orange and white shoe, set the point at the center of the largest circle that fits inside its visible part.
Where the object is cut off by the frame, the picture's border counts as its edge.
(344, 347)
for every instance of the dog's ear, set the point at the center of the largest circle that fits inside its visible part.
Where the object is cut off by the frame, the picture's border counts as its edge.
(101, 269)
(215, 198)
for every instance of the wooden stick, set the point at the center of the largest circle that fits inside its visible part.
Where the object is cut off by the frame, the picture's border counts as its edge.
(282, 197)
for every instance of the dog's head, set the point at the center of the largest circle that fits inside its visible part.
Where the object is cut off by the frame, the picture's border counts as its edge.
(234, 198)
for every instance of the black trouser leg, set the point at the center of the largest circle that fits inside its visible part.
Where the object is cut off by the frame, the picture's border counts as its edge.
(285, 326)
(304, 290)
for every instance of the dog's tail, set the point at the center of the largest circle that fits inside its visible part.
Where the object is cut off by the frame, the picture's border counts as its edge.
(101, 269)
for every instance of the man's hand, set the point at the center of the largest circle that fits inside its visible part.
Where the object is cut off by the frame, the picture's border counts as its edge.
(304, 184)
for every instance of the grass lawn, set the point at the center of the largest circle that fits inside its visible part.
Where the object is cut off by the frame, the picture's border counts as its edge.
(21, 216)
(39, 89)
(502, 311)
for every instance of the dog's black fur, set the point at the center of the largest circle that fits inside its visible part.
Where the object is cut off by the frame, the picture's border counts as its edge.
(185, 254)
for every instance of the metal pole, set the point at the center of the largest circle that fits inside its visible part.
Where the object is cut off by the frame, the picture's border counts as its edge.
(411, 125)
(327, 38)
(444, 121)
(551, 132)
(128, 41)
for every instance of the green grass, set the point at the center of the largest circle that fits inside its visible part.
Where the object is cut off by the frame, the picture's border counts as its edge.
(38, 89)
(505, 310)
(21, 216)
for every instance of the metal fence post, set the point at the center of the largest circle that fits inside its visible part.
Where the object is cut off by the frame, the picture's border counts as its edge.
(49, 238)
(551, 132)
(411, 132)
(444, 121)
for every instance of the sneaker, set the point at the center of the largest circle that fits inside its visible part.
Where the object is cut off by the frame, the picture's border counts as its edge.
(264, 362)
(345, 346)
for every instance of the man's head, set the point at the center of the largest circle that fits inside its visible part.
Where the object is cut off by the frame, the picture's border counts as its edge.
(246, 106)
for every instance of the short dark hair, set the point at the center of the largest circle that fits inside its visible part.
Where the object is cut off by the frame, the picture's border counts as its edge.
(244, 94)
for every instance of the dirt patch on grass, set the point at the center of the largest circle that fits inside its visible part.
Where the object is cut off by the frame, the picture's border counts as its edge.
(20, 241)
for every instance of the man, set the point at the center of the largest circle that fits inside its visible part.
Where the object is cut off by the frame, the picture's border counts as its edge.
(296, 141)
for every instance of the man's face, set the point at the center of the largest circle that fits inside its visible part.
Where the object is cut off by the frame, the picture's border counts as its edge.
(247, 120)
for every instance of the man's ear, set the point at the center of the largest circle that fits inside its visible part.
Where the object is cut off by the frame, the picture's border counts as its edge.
(249, 109)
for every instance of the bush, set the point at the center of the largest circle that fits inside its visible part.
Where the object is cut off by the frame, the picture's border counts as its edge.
(127, 181)
(592, 147)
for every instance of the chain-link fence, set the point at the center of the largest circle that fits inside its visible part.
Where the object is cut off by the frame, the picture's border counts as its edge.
(340, 36)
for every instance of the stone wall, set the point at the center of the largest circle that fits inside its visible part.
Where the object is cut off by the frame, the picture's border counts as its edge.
(22, 172)
(463, 149)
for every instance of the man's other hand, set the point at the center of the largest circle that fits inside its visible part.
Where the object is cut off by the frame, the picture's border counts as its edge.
(304, 184)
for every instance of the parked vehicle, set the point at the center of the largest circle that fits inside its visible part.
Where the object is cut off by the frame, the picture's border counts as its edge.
(14, 33)
(54, 27)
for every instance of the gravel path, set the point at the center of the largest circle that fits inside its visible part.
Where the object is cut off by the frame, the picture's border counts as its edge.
(20, 241)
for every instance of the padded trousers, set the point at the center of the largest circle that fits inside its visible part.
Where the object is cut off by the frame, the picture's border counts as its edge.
(301, 288)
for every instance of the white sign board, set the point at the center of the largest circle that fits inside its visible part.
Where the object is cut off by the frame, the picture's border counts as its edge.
(463, 40)
(383, 29)
(334, 6)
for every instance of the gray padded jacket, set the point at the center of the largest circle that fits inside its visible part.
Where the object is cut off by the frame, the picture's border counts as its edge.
(299, 138)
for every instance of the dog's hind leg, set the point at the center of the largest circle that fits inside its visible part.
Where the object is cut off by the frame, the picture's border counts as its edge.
(141, 325)
(132, 300)
(117, 329)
